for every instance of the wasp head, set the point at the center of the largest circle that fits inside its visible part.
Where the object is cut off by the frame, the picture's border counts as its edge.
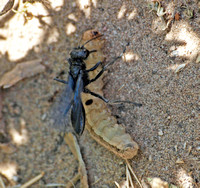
(79, 53)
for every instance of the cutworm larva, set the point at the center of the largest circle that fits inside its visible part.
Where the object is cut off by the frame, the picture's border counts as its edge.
(101, 125)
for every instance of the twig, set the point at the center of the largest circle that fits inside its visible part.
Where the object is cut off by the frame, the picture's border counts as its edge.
(96, 181)
(130, 168)
(73, 181)
(55, 185)
(2, 185)
(129, 177)
(71, 140)
(32, 181)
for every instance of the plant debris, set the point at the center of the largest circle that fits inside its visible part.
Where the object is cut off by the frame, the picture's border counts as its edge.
(21, 71)
(8, 6)
(70, 139)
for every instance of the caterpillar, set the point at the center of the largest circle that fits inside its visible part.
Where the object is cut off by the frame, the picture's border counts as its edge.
(100, 123)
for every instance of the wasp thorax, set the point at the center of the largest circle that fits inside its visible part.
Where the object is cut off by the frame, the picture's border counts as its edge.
(79, 53)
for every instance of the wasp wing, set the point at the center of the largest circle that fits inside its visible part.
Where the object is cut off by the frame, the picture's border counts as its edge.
(78, 112)
(59, 113)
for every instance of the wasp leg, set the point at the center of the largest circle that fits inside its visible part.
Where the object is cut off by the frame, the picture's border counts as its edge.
(105, 67)
(62, 81)
(94, 67)
(92, 51)
(108, 101)
(95, 95)
(129, 102)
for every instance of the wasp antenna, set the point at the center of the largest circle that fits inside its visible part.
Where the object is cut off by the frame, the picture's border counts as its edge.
(91, 40)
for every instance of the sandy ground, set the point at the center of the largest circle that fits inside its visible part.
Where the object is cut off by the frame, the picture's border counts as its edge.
(166, 127)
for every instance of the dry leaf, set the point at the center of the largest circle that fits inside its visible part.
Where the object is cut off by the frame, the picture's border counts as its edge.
(180, 67)
(157, 183)
(8, 6)
(177, 16)
(179, 161)
(21, 71)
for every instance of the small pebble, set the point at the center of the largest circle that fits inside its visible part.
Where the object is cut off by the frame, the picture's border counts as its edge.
(198, 148)
(150, 158)
(44, 117)
(160, 132)
(15, 178)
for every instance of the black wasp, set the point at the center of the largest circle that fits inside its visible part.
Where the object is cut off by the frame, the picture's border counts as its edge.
(78, 79)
